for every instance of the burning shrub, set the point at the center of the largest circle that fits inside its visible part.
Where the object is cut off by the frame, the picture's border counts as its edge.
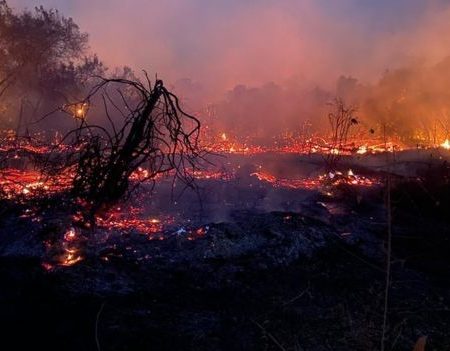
(341, 119)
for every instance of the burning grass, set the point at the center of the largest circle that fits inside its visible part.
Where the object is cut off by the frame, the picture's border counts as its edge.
(140, 246)
(330, 179)
(27, 186)
(131, 219)
(23, 184)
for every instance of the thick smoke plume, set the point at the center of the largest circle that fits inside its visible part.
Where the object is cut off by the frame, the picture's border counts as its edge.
(270, 60)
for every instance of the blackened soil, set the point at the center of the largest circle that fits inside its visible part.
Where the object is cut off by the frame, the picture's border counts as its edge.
(312, 279)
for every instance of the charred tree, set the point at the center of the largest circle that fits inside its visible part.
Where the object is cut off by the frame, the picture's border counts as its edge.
(151, 131)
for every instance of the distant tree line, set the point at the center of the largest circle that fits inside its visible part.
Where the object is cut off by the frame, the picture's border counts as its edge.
(411, 103)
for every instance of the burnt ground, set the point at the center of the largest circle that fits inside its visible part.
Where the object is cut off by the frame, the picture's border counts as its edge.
(272, 269)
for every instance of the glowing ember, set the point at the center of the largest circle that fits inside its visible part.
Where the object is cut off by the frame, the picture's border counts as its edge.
(335, 151)
(16, 183)
(316, 183)
(229, 144)
(28, 184)
(305, 183)
(70, 235)
(70, 258)
(446, 144)
(69, 250)
(77, 110)
(212, 174)
(140, 174)
(350, 178)
(362, 150)
(133, 219)
(197, 233)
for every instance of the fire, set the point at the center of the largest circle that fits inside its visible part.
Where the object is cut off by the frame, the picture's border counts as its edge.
(70, 235)
(446, 144)
(213, 174)
(196, 233)
(71, 254)
(140, 174)
(362, 150)
(70, 258)
(335, 151)
(335, 178)
(230, 144)
(77, 110)
(133, 219)
(301, 183)
(20, 183)
(28, 184)
(70, 247)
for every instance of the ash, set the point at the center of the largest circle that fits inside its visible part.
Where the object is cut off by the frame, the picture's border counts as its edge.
(255, 258)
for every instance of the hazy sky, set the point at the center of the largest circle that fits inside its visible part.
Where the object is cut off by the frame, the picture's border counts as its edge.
(224, 42)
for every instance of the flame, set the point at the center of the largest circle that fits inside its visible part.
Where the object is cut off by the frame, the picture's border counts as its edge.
(70, 234)
(16, 183)
(335, 151)
(77, 110)
(70, 258)
(362, 150)
(446, 144)
(317, 183)
(71, 251)
(132, 219)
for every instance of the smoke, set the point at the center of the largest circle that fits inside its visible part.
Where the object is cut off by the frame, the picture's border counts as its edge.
(222, 44)
(229, 42)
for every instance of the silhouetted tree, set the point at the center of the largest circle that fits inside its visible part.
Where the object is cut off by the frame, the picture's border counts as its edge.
(43, 60)
(153, 133)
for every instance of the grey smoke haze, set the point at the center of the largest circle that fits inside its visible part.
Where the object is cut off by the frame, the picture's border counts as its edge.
(222, 43)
